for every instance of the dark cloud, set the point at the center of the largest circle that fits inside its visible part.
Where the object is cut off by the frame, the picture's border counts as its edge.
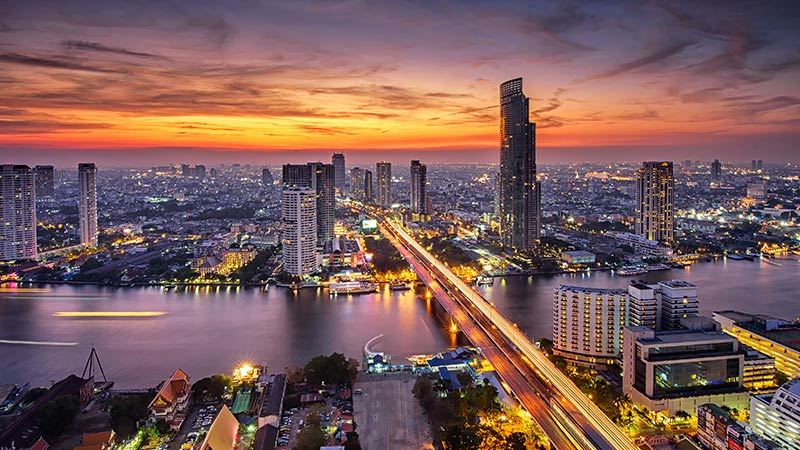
(94, 46)
(45, 126)
(15, 58)
(656, 57)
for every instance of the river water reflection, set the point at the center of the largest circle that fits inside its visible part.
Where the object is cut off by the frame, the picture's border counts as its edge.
(208, 330)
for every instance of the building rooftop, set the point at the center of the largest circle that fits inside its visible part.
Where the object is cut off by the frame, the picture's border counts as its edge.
(677, 284)
(683, 336)
(778, 330)
(591, 290)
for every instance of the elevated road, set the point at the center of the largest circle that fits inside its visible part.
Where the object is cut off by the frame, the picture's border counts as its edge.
(565, 414)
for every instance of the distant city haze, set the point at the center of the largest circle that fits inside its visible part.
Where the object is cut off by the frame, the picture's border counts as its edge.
(158, 82)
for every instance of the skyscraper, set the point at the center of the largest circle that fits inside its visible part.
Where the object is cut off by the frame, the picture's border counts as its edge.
(18, 202)
(369, 191)
(384, 188)
(45, 186)
(655, 200)
(194, 172)
(520, 193)
(298, 229)
(357, 184)
(716, 171)
(418, 179)
(338, 171)
(318, 177)
(87, 203)
(266, 177)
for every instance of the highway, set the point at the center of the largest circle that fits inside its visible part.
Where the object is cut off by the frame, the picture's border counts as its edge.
(566, 415)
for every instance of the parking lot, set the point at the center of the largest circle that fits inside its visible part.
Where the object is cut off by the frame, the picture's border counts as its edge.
(388, 415)
(196, 423)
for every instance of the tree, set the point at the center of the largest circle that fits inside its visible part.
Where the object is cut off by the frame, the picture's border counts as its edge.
(463, 437)
(33, 395)
(91, 264)
(58, 415)
(214, 386)
(311, 437)
(352, 441)
(333, 369)
(126, 411)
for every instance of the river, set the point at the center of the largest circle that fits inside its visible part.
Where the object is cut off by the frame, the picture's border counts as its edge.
(208, 330)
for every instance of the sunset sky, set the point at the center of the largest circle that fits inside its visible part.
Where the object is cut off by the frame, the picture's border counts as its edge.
(165, 80)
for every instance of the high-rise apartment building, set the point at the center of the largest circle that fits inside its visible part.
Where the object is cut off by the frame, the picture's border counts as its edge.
(298, 229)
(419, 175)
(383, 171)
(320, 178)
(357, 191)
(45, 181)
(655, 201)
(87, 203)
(338, 171)
(266, 177)
(193, 172)
(716, 171)
(662, 305)
(520, 193)
(588, 324)
(18, 200)
(369, 191)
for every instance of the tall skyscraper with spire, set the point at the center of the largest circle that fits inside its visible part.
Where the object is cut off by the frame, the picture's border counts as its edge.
(655, 201)
(18, 221)
(384, 185)
(520, 193)
(87, 203)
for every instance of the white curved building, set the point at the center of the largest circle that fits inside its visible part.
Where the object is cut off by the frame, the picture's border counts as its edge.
(777, 416)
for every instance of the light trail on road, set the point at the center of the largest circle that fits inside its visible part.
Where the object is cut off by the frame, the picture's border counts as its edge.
(571, 404)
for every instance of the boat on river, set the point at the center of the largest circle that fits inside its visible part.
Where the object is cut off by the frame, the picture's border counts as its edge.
(353, 287)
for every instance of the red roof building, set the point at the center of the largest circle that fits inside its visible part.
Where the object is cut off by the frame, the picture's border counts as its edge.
(172, 400)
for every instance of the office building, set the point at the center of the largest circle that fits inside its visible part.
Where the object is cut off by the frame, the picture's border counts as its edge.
(640, 244)
(678, 301)
(716, 171)
(193, 172)
(318, 177)
(87, 203)
(757, 190)
(577, 257)
(266, 177)
(644, 309)
(520, 193)
(298, 229)
(671, 371)
(419, 177)
(339, 172)
(771, 336)
(655, 201)
(18, 200)
(45, 181)
(383, 171)
(777, 416)
(661, 306)
(369, 191)
(759, 371)
(357, 184)
(588, 324)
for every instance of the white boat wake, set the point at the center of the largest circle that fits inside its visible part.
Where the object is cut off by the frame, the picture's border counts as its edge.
(46, 343)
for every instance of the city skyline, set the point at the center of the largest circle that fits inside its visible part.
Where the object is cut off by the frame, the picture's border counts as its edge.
(609, 78)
